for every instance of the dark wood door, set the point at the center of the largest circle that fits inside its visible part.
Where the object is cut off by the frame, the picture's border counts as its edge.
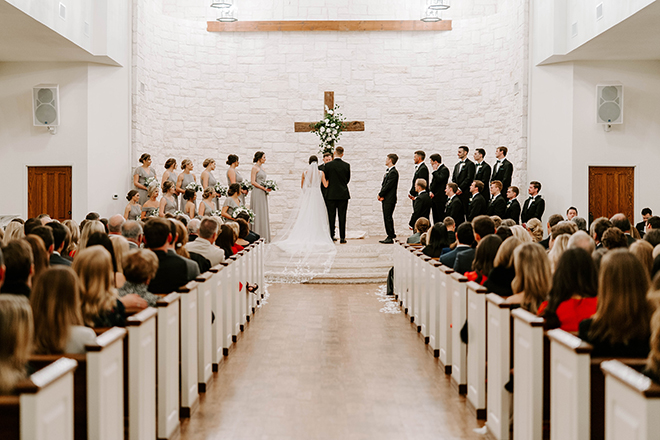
(49, 192)
(611, 190)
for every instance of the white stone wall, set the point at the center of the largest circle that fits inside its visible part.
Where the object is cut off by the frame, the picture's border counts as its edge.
(200, 94)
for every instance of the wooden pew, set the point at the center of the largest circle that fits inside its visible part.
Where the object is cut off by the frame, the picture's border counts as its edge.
(43, 407)
(457, 291)
(167, 376)
(205, 293)
(444, 317)
(476, 350)
(632, 403)
(189, 348)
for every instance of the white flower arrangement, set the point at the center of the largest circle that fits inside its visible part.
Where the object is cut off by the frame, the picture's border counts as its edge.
(329, 129)
(150, 181)
(220, 190)
(176, 213)
(242, 209)
(195, 187)
(216, 213)
(154, 212)
(271, 184)
(246, 186)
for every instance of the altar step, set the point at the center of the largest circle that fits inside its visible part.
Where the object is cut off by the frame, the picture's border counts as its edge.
(358, 262)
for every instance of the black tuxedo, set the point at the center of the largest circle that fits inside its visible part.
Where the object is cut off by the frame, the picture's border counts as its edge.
(56, 259)
(478, 206)
(454, 209)
(437, 188)
(512, 210)
(388, 193)
(497, 206)
(640, 227)
(482, 173)
(422, 172)
(421, 207)
(532, 209)
(338, 174)
(463, 177)
(504, 174)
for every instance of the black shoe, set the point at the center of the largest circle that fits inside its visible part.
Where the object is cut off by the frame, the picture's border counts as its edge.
(388, 240)
(334, 239)
(342, 241)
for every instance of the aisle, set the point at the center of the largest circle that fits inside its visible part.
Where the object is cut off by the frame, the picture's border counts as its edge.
(322, 362)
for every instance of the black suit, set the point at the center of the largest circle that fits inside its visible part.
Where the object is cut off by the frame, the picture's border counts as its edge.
(482, 173)
(532, 209)
(437, 188)
(338, 174)
(478, 206)
(640, 227)
(463, 177)
(504, 174)
(422, 172)
(454, 209)
(449, 258)
(172, 273)
(512, 210)
(388, 193)
(421, 207)
(464, 261)
(56, 259)
(497, 206)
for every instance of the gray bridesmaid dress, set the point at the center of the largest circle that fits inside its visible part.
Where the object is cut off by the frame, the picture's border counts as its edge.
(212, 182)
(149, 212)
(259, 205)
(135, 213)
(142, 178)
(231, 207)
(239, 180)
(208, 208)
(172, 178)
(170, 206)
(187, 180)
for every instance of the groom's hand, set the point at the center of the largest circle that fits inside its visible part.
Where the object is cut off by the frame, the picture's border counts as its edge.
(380, 199)
(411, 197)
(431, 195)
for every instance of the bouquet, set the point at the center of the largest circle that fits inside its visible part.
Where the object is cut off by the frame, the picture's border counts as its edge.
(220, 190)
(271, 185)
(242, 209)
(216, 213)
(150, 181)
(154, 212)
(195, 187)
(329, 129)
(246, 186)
(178, 213)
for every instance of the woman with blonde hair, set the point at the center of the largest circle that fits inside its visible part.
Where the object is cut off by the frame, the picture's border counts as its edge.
(500, 278)
(560, 244)
(39, 255)
(195, 262)
(15, 340)
(208, 204)
(120, 247)
(533, 279)
(169, 175)
(74, 237)
(621, 325)
(185, 178)
(207, 178)
(58, 322)
(643, 250)
(13, 231)
(535, 228)
(151, 206)
(168, 203)
(522, 234)
(90, 227)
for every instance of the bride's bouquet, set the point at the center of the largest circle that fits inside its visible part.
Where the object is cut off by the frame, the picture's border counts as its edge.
(195, 187)
(150, 181)
(246, 186)
(242, 209)
(271, 185)
(220, 190)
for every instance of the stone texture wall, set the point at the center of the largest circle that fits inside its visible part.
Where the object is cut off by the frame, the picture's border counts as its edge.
(200, 94)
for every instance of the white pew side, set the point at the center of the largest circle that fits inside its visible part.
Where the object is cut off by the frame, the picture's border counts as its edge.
(189, 348)
(168, 392)
(476, 353)
(457, 290)
(205, 293)
(444, 318)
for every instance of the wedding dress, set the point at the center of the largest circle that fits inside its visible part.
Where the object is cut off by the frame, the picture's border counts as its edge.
(305, 249)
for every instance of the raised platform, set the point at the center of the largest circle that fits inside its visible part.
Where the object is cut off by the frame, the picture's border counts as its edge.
(359, 261)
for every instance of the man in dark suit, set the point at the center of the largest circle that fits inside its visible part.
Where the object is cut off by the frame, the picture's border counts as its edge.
(421, 204)
(439, 180)
(327, 157)
(481, 226)
(478, 205)
(338, 174)
(482, 172)
(621, 221)
(60, 234)
(512, 206)
(497, 205)
(46, 235)
(552, 221)
(421, 172)
(454, 206)
(463, 175)
(534, 205)
(464, 238)
(641, 226)
(387, 196)
(503, 169)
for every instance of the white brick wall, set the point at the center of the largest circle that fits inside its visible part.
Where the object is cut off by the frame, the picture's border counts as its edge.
(212, 94)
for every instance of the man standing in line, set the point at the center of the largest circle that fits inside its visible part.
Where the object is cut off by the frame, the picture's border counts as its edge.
(482, 172)
(503, 169)
(535, 205)
(512, 206)
(421, 204)
(463, 175)
(478, 205)
(337, 174)
(387, 196)
(454, 206)
(440, 178)
(421, 172)
(497, 205)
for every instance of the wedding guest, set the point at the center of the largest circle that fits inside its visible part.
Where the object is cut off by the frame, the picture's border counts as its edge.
(152, 205)
(522, 234)
(421, 226)
(559, 246)
(252, 236)
(580, 223)
(598, 228)
(140, 176)
(171, 176)
(190, 196)
(57, 310)
(236, 246)
(101, 239)
(614, 238)
(207, 178)
(571, 213)
(114, 224)
(497, 220)
(621, 221)
(140, 266)
(504, 232)
(465, 239)
(193, 229)
(482, 226)
(225, 240)
(30, 224)
(132, 232)
(243, 231)
(74, 238)
(185, 178)
(641, 226)
(204, 245)
(172, 269)
(121, 248)
(450, 224)
(14, 231)
(644, 252)
(232, 201)
(259, 198)
(195, 264)
(484, 259)
(500, 278)
(208, 204)
(133, 210)
(16, 331)
(621, 325)
(533, 279)
(40, 255)
(582, 240)
(653, 237)
(19, 268)
(91, 227)
(168, 203)
(508, 222)
(60, 242)
(387, 197)
(438, 241)
(535, 229)
(92, 216)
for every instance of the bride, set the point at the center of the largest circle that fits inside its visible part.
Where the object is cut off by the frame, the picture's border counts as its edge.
(305, 249)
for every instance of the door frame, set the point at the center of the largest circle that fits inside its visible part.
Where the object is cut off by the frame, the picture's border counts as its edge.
(55, 164)
(626, 164)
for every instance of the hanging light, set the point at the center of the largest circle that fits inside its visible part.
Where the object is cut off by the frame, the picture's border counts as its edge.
(439, 5)
(221, 4)
(227, 15)
(431, 15)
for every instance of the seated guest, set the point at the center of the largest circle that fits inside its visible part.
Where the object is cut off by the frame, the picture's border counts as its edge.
(533, 278)
(497, 221)
(558, 247)
(450, 224)
(653, 237)
(58, 322)
(421, 225)
(15, 341)
(465, 238)
(225, 240)
(236, 247)
(614, 238)
(580, 223)
(423, 239)
(504, 232)
(132, 232)
(93, 216)
(46, 235)
(573, 294)
(621, 325)
(30, 224)
(19, 268)
(88, 229)
(243, 231)
(102, 239)
(484, 258)
(522, 234)
(535, 228)
(60, 238)
(39, 255)
(196, 263)
(500, 278)
(204, 245)
(508, 223)
(482, 226)
(598, 228)
(117, 221)
(644, 252)
(74, 238)
(193, 229)
(13, 231)
(438, 242)
(252, 236)
(621, 221)
(552, 221)
(140, 266)
(582, 240)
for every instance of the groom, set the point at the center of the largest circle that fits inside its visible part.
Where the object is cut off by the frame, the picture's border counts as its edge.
(338, 174)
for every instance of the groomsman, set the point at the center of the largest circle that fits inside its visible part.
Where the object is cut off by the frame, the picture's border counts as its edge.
(440, 177)
(512, 206)
(421, 204)
(338, 174)
(534, 205)
(503, 169)
(478, 205)
(482, 172)
(454, 206)
(387, 196)
(497, 205)
(421, 172)
(463, 175)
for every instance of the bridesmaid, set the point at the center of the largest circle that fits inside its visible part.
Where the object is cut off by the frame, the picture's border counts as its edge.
(207, 177)
(168, 201)
(231, 202)
(169, 174)
(152, 205)
(233, 176)
(207, 206)
(191, 207)
(133, 209)
(184, 179)
(259, 199)
(141, 174)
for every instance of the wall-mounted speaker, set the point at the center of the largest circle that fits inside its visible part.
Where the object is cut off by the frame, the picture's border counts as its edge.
(609, 108)
(46, 105)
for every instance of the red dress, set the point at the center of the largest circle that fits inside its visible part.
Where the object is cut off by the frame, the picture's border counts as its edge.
(573, 311)
(237, 248)
(474, 276)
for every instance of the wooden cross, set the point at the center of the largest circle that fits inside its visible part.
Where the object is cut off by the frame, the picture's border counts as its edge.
(305, 127)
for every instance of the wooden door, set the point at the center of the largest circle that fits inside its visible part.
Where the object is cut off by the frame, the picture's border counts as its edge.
(49, 192)
(611, 190)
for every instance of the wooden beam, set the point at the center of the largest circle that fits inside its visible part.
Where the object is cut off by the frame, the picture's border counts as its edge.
(334, 25)
(305, 127)
(329, 98)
